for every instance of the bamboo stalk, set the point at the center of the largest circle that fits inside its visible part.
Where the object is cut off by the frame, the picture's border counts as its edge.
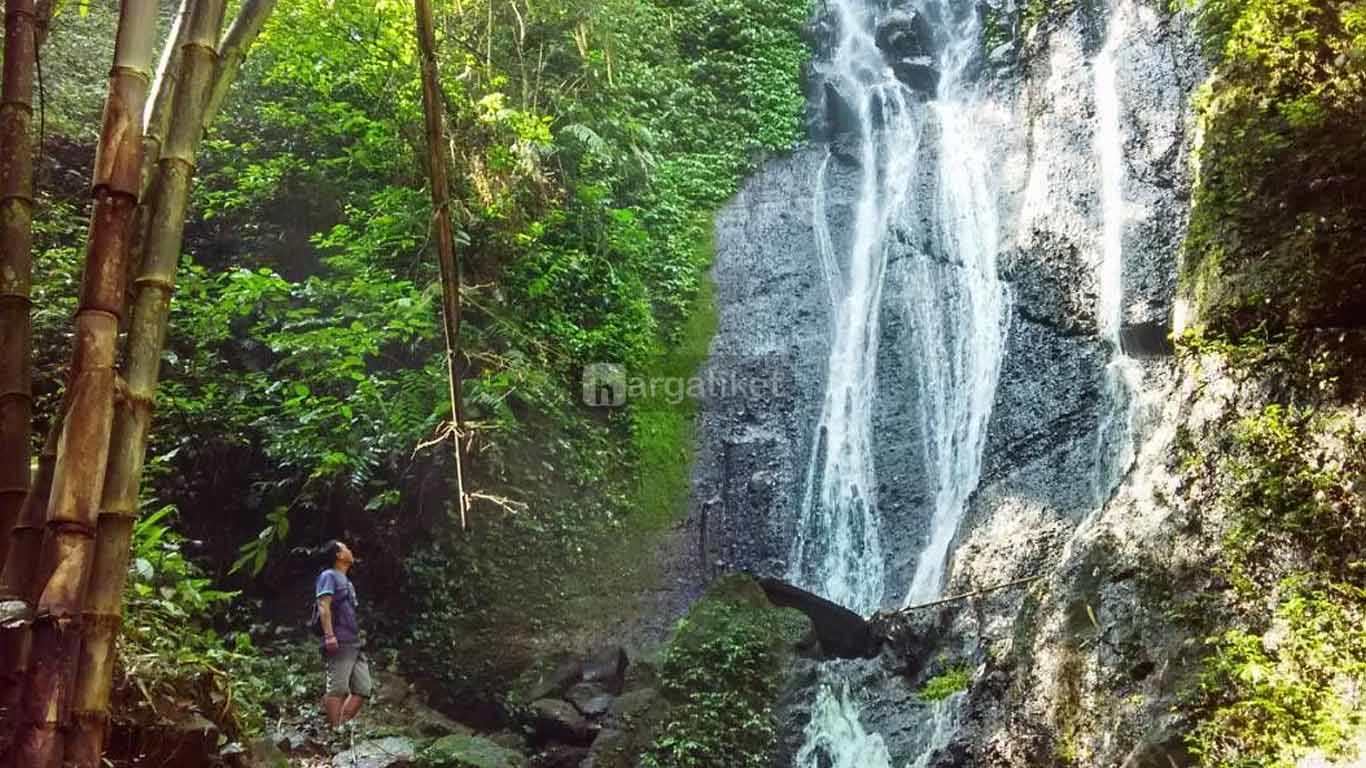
(22, 25)
(83, 448)
(200, 75)
(237, 42)
(155, 118)
(445, 234)
(18, 582)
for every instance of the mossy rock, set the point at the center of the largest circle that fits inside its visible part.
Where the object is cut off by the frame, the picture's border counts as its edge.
(461, 751)
(724, 667)
(739, 597)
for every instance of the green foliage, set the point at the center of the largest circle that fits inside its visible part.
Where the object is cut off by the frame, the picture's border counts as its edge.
(1281, 686)
(1277, 214)
(1275, 697)
(1292, 487)
(951, 680)
(172, 656)
(303, 390)
(722, 670)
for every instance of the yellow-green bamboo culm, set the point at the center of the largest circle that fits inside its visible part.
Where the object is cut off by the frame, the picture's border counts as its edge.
(83, 448)
(205, 73)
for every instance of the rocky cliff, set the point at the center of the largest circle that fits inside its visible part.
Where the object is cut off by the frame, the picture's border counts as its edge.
(1081, 666)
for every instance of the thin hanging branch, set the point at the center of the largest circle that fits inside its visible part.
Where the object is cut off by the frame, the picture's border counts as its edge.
(970, 594)
(433, 108)
(83, 449)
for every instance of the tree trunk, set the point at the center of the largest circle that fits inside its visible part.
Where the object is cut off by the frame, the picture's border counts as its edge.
(25, 27)
(445, 235)
(83, 449)
(201, 77)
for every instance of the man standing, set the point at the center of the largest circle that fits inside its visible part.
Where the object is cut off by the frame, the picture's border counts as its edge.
(348, 674)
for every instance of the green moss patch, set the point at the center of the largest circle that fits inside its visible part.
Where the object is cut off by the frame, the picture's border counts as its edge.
(1278, 223)
(723, 670)
(943, 685)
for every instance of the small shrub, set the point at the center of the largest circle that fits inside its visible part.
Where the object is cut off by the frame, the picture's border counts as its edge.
(1270, 699)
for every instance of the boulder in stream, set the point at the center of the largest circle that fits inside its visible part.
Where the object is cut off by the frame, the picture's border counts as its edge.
(556, 720)
(463, 751)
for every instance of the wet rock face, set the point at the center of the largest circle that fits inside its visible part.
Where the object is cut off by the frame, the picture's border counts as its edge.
(770, 351)
(907, 41)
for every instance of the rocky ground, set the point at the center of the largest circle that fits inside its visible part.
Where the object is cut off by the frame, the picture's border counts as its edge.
(568, 712)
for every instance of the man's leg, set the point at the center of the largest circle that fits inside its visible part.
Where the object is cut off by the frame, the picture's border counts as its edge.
(333, 707)
(360, 687)
(339, 666)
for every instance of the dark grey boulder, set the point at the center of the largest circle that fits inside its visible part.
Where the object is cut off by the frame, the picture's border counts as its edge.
(917, 72)
(607, 668)
(556, 720)
(591, 699)
(905, 33)
(547, 679)
(841, 632)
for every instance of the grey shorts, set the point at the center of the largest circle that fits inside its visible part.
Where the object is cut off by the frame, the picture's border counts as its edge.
(348, 672)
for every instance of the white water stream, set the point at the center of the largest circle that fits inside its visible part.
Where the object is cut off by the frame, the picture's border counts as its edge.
(1115, 435)
(837, 550)
(957, 308)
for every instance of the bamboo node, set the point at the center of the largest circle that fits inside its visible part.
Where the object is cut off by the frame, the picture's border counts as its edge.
(21, 104)
(165, 284)
(71, 527)
(14, 613)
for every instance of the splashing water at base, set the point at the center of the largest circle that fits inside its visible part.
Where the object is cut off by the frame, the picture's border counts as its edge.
(835, 738)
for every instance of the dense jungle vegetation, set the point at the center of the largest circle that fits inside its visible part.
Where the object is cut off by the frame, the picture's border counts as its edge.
(303, 382)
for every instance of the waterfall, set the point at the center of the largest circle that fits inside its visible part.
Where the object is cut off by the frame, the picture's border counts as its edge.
(1114, 435)
(836, 550)
(943, 725)
(956, 305)
(960, 303)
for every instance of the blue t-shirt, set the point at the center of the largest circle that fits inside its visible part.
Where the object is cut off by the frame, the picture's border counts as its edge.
(333, 582)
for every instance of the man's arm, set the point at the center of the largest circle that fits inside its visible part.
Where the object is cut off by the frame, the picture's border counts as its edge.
(325, 616)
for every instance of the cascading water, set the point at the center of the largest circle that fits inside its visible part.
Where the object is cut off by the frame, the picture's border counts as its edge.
(1114, 437)
(960, 304)
(956, 303)
(837, 551)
